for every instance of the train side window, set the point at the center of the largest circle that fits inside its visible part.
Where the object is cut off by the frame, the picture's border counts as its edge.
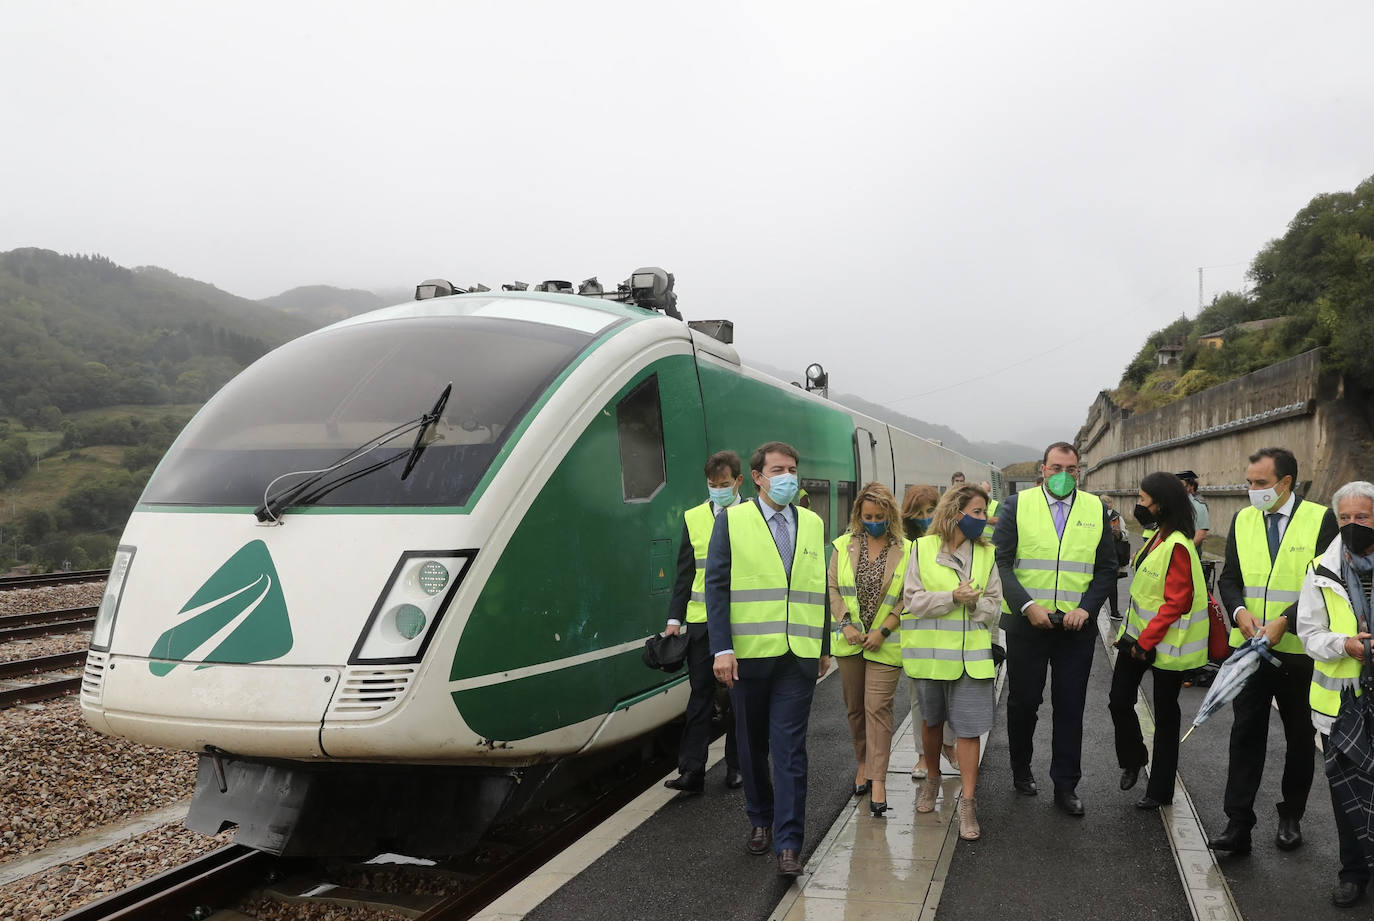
(639, 425)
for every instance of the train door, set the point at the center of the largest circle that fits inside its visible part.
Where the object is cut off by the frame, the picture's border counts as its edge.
(873, 455)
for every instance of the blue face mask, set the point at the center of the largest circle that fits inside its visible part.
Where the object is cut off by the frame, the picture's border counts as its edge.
(724, 496)
(972, 527)
(783, 488)
(875, 528)
(923, 522)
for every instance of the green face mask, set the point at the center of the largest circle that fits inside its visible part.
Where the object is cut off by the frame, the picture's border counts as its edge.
(1060, 484)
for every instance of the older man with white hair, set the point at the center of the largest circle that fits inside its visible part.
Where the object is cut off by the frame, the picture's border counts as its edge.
(1334, 611)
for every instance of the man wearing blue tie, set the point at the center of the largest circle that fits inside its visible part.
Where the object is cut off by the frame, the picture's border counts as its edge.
(1267, 551)
(769, 629)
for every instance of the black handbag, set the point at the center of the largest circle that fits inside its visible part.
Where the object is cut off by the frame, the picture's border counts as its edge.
(665, 652)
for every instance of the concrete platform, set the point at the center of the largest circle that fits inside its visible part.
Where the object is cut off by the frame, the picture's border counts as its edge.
(667, 857)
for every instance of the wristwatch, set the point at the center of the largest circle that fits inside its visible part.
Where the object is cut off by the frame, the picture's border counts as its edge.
(886, 632)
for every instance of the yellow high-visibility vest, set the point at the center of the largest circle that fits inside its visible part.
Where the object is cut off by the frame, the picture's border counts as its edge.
(890, 653)
(1184, 644)
(701, 521)
(992, 513)
(768, 614)
(1330, 678)
(947, 646)
(1054, 571)
(1272, 586)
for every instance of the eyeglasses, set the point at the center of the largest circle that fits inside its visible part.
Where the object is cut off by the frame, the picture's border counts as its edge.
(1057, 468)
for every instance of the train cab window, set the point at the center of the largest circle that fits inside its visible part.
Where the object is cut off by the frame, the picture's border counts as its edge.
(639, 425)
(818, 500)
(327, 396)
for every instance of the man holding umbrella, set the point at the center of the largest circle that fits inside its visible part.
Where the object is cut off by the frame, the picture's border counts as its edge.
(1267, 551)
(1333, 622)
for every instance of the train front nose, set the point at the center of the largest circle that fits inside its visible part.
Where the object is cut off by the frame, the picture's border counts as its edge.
(217, 632)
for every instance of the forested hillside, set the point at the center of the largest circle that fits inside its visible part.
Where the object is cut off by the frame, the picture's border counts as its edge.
(100, 367)
(1312, 287)
(80, 332)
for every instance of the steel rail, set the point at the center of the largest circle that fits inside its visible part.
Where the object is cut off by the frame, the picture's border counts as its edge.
(48, 690)
(40, 664)
(45, 617)
(54, 578)
(212, 880)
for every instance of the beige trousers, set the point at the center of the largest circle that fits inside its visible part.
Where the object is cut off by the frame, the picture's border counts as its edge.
(868, 691)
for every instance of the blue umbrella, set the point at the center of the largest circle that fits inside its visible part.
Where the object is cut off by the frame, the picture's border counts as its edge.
(1231, 677)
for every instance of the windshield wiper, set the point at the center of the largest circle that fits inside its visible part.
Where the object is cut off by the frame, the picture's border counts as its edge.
(426, 421)
(273, 507)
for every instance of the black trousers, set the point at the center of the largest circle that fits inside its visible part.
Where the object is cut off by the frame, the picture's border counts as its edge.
(696, 731)
(1067, 655)
(1130, 742)
(1289, 686)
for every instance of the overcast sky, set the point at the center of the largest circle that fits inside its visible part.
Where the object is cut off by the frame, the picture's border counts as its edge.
(972, 212)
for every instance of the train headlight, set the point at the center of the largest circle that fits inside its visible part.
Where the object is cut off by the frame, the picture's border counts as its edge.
(109, 603)
(410, 607)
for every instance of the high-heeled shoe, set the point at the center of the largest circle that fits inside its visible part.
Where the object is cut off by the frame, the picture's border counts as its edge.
(968, 820)
(861, 789)
(877, 809)
(930, 792)
(952, 756)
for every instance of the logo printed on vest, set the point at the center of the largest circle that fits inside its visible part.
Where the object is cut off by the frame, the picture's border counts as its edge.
(239, 615)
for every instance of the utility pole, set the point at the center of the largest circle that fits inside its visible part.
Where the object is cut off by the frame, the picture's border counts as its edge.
(1199, 289)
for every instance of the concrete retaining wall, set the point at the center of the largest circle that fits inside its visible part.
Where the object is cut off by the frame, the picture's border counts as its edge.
(1289, 404)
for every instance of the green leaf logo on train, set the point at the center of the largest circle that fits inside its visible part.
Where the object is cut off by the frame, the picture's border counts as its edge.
(238, 616)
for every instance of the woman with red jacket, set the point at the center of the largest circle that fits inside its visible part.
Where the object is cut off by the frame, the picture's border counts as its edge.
(1164, 633)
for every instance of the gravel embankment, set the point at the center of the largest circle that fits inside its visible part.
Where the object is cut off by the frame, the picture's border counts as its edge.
(58, 777)
(100, 873)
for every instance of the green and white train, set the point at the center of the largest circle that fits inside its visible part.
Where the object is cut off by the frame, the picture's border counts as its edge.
(369, 661)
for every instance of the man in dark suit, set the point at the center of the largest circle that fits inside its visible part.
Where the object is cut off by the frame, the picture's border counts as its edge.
(1058, 562)
(769, 630)
(1270, 543)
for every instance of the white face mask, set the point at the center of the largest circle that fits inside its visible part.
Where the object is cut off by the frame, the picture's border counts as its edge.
(1264, 499)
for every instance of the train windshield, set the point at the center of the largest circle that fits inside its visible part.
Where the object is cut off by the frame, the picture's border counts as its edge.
(308, 404)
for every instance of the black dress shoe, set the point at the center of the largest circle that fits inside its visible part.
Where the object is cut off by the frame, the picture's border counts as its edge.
(1289, 837)
(861, 789)
(789, 864)
(1025, 785)
(1346, 894)
(1235, 839)
(760, 839)
(1129, 776)
(734, 779)
(1068, 801)
(877, 809)
(692, 782)
(1149, 802)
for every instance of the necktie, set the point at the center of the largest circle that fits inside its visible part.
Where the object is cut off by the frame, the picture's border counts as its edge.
(1271, 524)
(778, 525)
(1059, 515)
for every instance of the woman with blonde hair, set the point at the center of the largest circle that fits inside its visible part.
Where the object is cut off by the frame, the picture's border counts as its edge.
(953, 596)
(918, 505)
(864, 583)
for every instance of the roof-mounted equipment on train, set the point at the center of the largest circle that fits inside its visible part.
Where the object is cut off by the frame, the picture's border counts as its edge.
(650, 288)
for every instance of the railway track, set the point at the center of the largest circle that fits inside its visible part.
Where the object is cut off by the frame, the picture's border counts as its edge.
(45, 623)
(54, 578)
(45, 690)
(220, 879)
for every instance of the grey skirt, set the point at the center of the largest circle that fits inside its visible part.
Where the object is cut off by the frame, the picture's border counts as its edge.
(966, 704)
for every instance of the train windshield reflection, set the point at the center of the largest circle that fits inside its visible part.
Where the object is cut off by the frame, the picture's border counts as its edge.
(311, 402)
